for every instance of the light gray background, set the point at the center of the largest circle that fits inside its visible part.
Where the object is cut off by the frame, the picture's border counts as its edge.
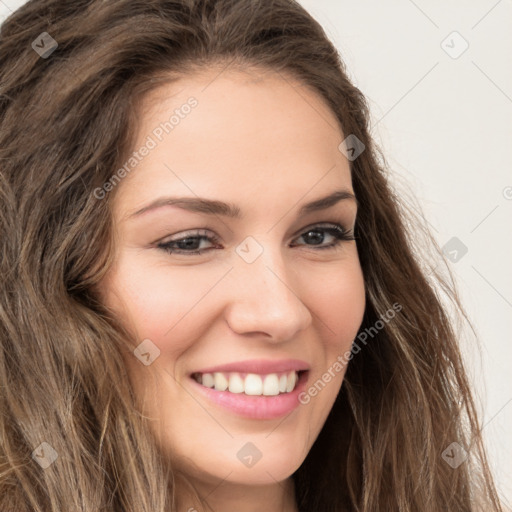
(445, 126)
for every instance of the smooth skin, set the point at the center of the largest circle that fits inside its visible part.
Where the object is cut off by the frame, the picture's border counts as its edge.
(266, 144)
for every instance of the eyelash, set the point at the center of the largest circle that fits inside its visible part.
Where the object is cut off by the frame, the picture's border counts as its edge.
(336, 230)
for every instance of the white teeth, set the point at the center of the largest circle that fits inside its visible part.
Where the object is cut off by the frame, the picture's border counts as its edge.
(271, 385)
(220, 382)
(236, 383)
(253, 384)
(282, 383)
(290, 384)
(208, 380)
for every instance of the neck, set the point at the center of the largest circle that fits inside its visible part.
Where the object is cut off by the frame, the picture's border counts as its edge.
(226, 496)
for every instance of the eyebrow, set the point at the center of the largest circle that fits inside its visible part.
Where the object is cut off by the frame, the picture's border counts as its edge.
(214, 207)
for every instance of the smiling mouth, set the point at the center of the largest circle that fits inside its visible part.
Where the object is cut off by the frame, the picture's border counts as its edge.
(252, 384)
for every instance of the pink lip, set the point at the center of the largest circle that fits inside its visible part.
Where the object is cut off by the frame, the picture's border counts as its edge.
(259, 366)
(255, 407)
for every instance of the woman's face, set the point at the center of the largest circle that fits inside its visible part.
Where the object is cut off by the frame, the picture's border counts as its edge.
(275, 290)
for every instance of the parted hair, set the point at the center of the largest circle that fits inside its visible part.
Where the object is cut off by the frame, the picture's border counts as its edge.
(67, 122)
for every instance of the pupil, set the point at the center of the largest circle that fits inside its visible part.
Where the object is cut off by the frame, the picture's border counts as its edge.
(189, 243)
(317, 237)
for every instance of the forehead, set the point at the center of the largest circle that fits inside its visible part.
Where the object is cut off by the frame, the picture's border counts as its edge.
(250, 133)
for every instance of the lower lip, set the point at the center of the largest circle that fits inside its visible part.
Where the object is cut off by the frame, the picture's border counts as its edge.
(256, 407)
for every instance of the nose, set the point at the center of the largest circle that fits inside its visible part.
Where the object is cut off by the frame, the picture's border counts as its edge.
(262, 299)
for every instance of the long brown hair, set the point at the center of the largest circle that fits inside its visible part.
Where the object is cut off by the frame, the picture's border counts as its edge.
(67, 122)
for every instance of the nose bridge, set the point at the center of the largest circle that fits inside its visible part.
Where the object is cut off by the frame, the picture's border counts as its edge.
(263, 298)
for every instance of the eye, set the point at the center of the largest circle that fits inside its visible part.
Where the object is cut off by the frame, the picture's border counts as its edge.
(316, 235)
(191, 243)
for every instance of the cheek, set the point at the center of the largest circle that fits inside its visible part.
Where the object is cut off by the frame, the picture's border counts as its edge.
(338, 305)
(159, 302)
(338, 302)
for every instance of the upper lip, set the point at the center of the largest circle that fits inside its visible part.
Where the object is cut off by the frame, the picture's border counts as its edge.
(261, 366)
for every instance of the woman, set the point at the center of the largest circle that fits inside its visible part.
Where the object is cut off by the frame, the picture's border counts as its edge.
(210, 300)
